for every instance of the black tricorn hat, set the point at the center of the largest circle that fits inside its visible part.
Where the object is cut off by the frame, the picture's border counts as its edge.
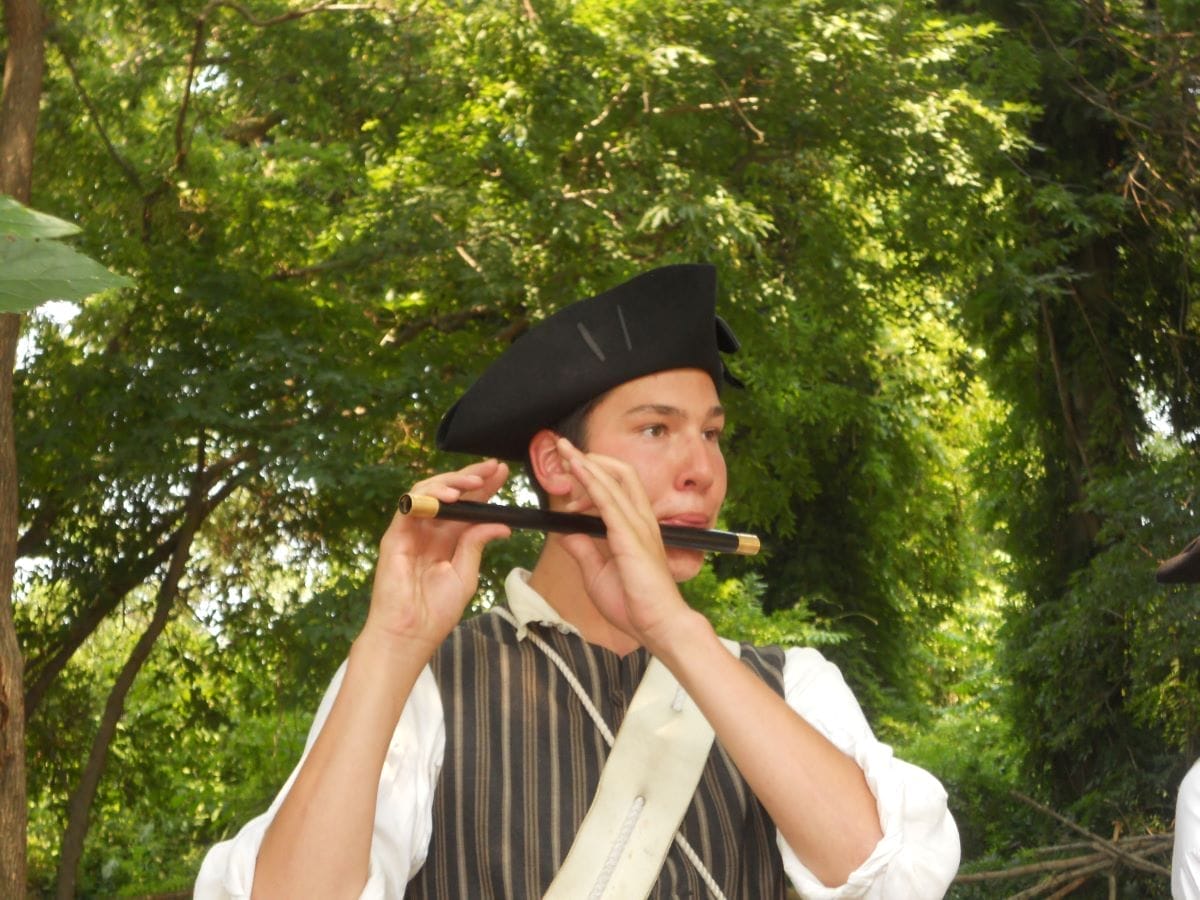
(662, 319)
(1183, 567)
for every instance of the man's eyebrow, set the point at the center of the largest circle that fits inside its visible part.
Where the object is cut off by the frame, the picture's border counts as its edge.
(665, 409)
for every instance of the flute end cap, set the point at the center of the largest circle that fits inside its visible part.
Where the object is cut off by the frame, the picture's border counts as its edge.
(418, 505)
(748, 544)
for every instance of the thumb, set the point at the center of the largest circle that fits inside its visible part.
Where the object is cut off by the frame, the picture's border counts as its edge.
(586, 552)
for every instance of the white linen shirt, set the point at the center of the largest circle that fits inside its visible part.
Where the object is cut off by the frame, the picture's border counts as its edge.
(1185, 856)
(916, 858)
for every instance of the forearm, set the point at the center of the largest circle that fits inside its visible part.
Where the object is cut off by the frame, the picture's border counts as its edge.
(815, 794)
(335, 791)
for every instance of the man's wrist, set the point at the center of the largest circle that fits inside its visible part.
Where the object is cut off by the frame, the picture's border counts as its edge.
(390, 663)
(681, 635)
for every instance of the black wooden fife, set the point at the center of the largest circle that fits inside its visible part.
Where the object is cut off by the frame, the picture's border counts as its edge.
(425, 507)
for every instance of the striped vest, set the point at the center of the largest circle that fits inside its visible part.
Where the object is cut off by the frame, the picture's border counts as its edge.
(522, 763)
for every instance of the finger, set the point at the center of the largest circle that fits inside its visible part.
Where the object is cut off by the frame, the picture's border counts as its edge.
(621, 521)
(616, 491)
(623, 484)
(578, 504)
(469, 553)
(477, 481)
(449, 486)
(492, 479)
(619, 476)
(590, 469)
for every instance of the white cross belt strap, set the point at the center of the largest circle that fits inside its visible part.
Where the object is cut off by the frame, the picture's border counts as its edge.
(644, 792)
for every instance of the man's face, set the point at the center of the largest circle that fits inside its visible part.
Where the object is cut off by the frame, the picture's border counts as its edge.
(668, 427)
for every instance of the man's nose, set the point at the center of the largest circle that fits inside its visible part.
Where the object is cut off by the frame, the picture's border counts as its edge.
(696, 464)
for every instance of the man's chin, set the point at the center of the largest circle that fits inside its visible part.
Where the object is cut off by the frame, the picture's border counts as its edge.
(684, 565)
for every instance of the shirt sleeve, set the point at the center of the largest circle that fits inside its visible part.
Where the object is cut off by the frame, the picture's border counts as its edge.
(919, 853)
(1185, 856)
(403, 808)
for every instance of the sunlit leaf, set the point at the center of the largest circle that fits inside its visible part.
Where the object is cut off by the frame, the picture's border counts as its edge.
(34, 271)
(19, 220)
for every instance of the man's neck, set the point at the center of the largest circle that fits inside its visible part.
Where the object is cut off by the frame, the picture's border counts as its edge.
(557, 577)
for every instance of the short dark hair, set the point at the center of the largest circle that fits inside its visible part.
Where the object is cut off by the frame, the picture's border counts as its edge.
(574, 428)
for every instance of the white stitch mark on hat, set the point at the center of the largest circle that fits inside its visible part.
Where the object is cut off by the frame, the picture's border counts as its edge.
(624, 329)
(590, 341)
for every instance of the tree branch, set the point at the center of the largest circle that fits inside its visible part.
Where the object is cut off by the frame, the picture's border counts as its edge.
(1113, 384)
(123, 164)
(1064, 396)
(734, 103)
(128, 577)
(80, 805)
(1102, 844)
(445, 323)
(196, 57)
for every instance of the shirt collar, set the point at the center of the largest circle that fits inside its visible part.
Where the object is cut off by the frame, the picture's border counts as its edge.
(529, 607)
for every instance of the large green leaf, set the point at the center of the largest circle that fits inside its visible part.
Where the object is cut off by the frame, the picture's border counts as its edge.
(34, 271)
(18, 220)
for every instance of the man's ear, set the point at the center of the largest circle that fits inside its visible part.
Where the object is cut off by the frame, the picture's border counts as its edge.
(547, 464)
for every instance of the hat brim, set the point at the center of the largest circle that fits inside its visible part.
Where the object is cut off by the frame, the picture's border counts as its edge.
(1183, 567)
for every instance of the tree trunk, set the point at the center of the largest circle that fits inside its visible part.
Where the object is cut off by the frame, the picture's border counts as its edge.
(12, 701)
(24, 63)
(19, 99)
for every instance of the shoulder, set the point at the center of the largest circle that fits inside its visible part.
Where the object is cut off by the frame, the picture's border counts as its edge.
(485, 627)
(1191, 781)
(800, 668)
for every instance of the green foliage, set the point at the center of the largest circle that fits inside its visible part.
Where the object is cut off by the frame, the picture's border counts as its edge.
(1084, 319)
(1123, 648)
(734, 606)
(213, 728)
(969, 741)
(19, 221)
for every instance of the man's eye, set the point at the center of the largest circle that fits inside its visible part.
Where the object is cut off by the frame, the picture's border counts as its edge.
(654, 430)
(713, 434)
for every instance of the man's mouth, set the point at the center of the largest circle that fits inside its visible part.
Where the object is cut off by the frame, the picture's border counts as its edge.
(687, 520)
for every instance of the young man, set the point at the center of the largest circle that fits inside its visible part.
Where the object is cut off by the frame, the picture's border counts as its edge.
(472, 759)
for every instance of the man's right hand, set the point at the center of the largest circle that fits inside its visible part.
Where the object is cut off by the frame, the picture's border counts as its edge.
(428, 569)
